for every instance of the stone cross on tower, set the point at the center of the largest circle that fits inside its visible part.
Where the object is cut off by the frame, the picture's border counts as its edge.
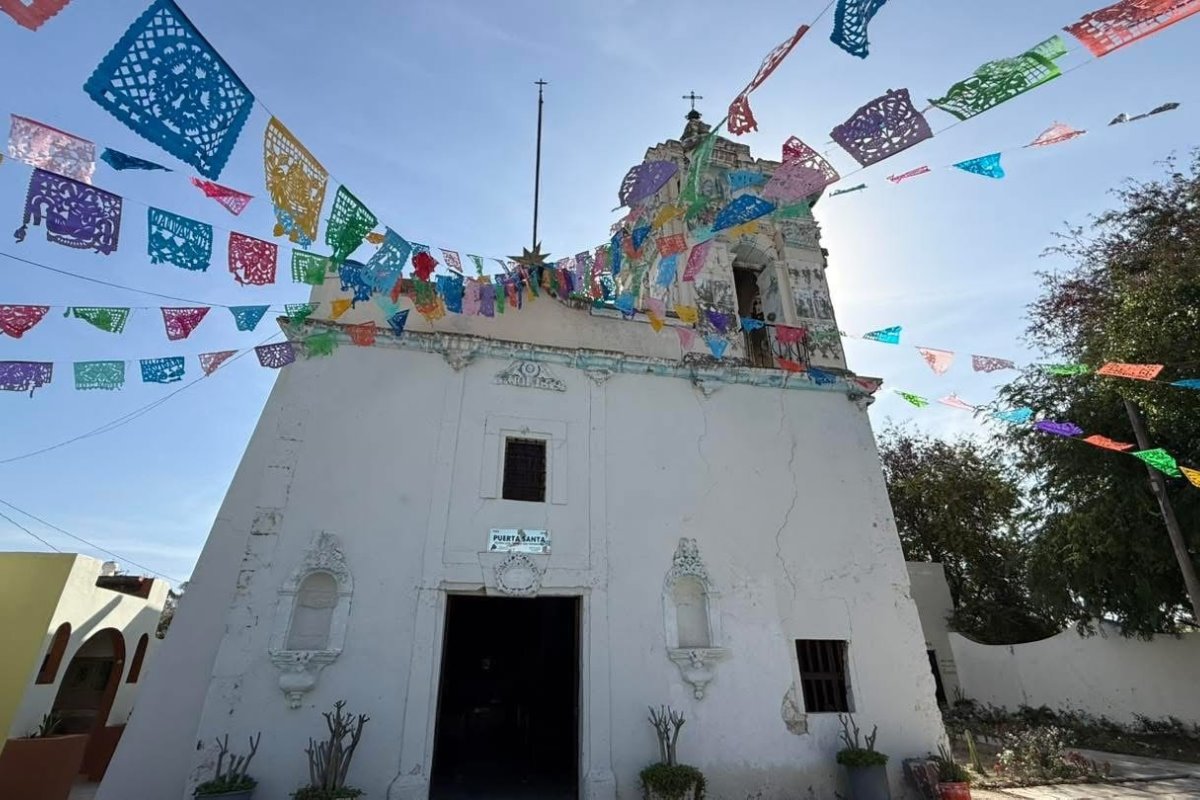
(693, 97)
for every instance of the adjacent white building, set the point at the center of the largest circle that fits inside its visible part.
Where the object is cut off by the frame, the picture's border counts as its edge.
(503, 538)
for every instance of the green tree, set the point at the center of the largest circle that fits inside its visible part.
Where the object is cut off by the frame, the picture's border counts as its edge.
(959, 504)
(1099, 548)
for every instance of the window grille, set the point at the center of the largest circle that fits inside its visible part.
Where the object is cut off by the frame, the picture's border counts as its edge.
(823, 675)
(525, 470)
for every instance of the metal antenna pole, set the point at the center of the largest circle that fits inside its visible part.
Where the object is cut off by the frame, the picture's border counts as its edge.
(537, 170)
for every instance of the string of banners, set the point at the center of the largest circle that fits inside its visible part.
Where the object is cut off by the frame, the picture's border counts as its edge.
(128, 84)
(110, 374)
(162, 40)
(891, 124)
(1157, 457)
(125, 83)
(940, 362)
(178, 321)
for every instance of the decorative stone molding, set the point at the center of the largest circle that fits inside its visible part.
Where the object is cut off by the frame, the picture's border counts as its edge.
(697, 664)
(518, 576)
(687, 561)
(457, 351)
(531, 375)
(598, 375)
(793, 713)
(708, 370)
(299, 669)
(325, 555)
(707, 386)
(863, 401)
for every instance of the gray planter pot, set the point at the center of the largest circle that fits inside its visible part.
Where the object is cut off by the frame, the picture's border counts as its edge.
(868, 783)
(244, 794)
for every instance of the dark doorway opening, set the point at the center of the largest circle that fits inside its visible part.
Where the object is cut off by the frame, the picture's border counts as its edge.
(937, 678)
(508, 703)
(90, 682)
(749, 300)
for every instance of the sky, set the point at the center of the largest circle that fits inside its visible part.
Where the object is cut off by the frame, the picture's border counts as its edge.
(427, 111)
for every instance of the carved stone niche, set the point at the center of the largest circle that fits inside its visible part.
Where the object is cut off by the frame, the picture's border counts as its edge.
(513, 574)
(311, 617)
(692, 619)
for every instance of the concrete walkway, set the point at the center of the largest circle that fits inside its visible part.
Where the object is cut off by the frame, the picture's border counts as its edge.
(1132, 777)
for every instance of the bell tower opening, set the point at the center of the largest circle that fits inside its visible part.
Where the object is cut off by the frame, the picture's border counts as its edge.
(750, 306)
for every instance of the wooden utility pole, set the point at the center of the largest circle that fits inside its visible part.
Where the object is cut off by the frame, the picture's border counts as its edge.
(1159, 485)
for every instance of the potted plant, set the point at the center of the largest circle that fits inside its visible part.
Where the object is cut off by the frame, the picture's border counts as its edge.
(668, 779)
(866, 768)
(329, 761)
(42, 765)
(954, 782)
(230, 781)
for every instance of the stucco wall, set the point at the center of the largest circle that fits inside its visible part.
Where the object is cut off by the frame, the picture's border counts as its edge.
(1103, 674)
(388, 450)
(30, 585)
(89, 609)
(931, 593)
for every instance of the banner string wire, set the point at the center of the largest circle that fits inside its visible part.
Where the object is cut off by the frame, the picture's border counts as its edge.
(90, 544)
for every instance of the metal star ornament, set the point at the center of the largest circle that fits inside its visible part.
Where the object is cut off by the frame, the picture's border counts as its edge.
(531, 258)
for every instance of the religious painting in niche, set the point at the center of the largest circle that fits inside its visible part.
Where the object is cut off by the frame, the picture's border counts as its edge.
(312, 614)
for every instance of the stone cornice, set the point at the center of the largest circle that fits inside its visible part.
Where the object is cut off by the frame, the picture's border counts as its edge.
(706, 373)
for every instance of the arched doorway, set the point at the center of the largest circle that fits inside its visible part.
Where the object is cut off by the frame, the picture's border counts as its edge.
(90, 682)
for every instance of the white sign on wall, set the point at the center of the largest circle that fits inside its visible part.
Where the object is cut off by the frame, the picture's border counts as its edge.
(518, 540)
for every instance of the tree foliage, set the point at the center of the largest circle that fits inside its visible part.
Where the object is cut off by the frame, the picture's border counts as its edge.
(1132, 294)
(959, 504)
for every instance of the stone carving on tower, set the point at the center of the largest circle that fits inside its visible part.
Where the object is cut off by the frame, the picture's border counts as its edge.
(694, 131)
(311, 617)
(691, 618)
(531, 375)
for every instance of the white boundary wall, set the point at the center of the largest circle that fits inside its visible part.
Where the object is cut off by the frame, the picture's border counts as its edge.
(1105, 674)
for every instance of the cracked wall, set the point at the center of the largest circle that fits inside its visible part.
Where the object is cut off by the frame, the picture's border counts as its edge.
(780, 488)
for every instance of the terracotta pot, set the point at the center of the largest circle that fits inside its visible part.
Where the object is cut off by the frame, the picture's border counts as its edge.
(43, 768)
(954, 791)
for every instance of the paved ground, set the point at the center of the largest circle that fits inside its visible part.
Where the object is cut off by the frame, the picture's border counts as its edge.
(1133, 777)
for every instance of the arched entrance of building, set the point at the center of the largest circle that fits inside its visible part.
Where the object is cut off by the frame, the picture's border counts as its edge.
(90, 683)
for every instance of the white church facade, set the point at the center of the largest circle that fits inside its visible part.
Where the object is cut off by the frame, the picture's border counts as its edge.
(503, 538)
